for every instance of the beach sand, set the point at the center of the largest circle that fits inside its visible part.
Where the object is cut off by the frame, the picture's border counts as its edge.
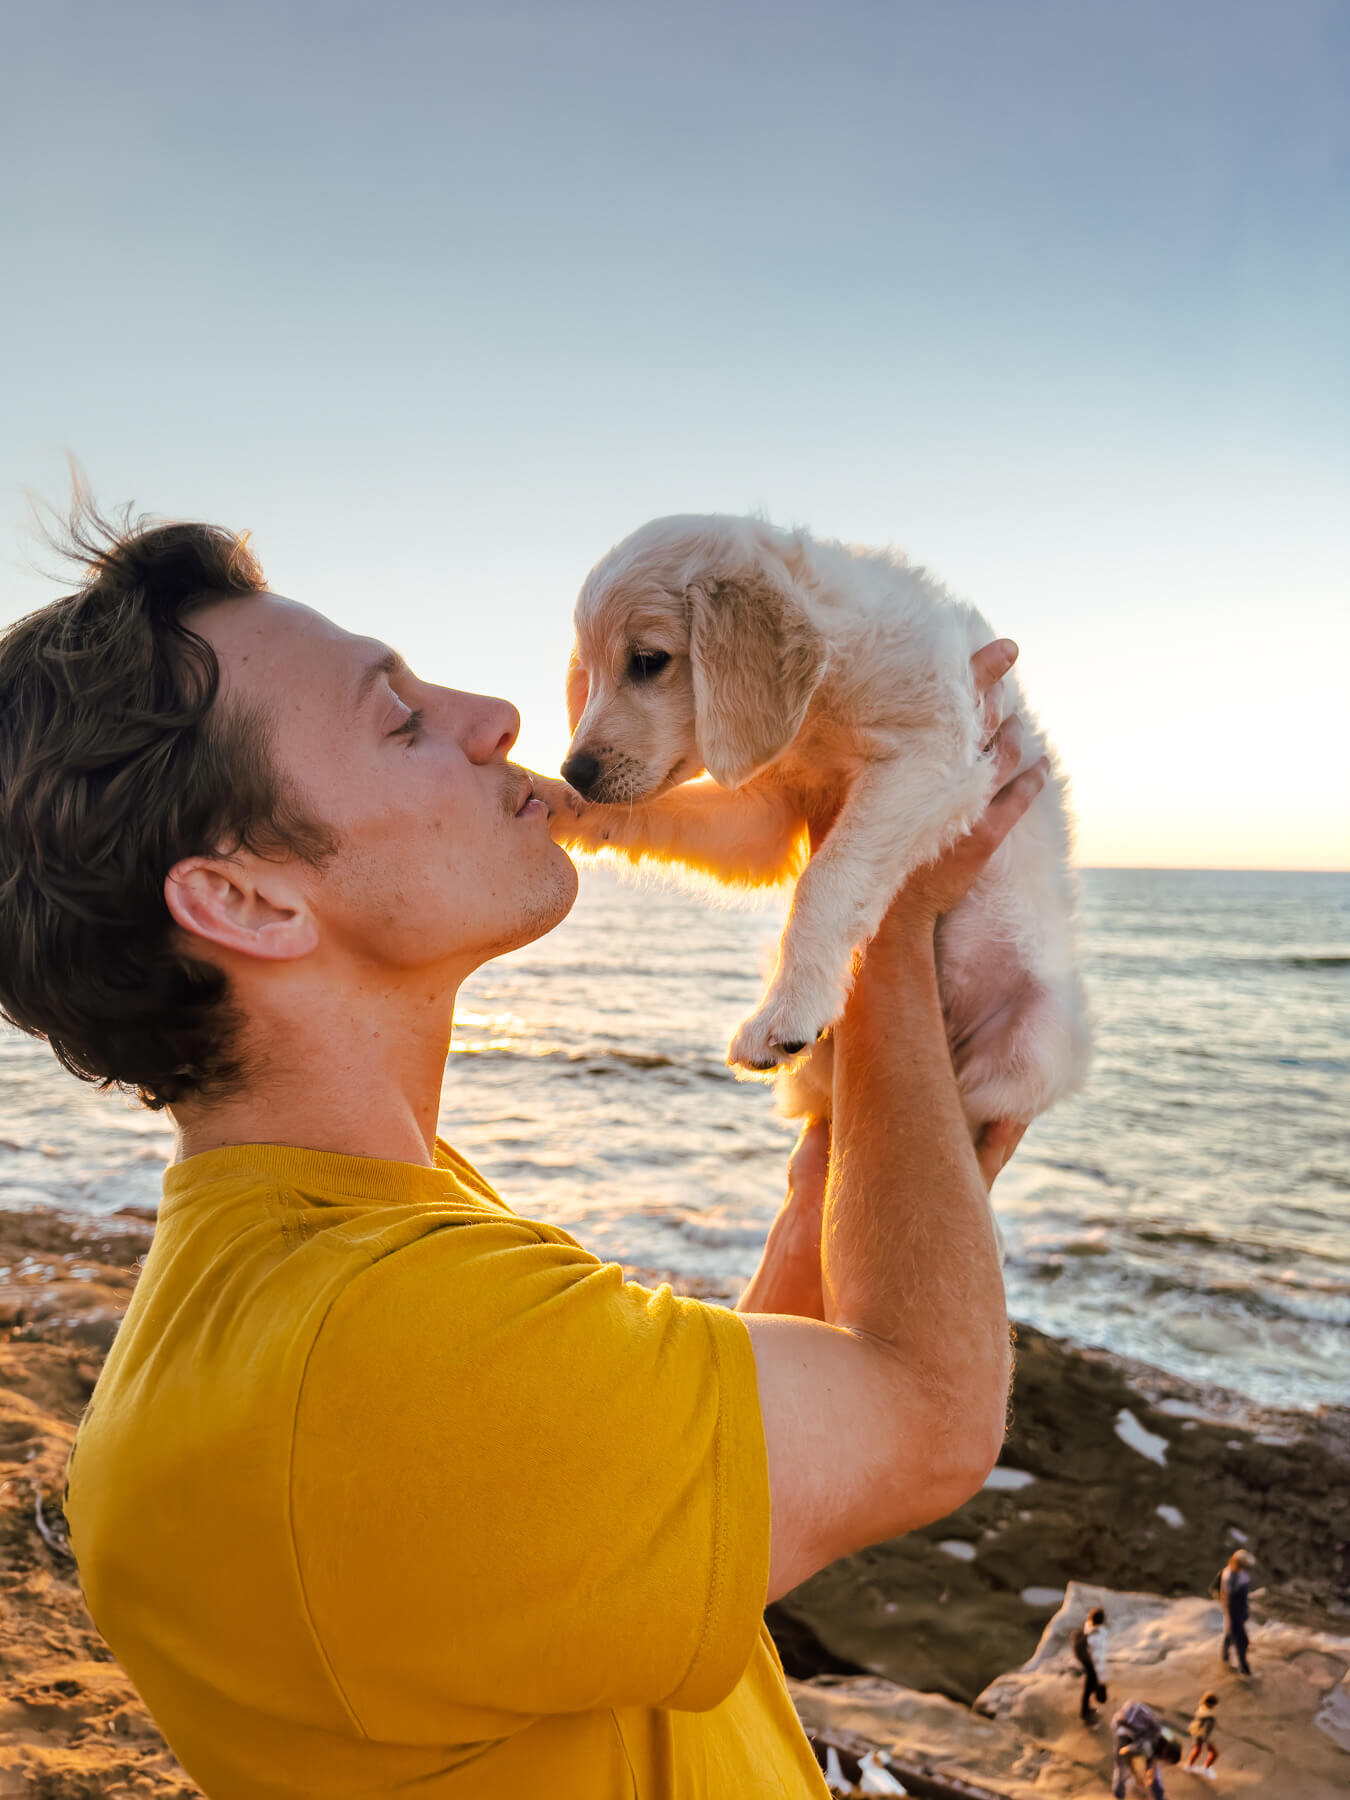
(1113, 1474)
(71, 1725)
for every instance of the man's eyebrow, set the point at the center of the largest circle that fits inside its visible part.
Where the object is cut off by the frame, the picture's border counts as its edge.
(388, 662)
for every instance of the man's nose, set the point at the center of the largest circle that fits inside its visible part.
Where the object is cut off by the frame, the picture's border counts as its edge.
(491, 729)
(581, 771)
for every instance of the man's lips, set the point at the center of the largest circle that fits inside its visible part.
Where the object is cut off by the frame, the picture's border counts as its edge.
(528, 805)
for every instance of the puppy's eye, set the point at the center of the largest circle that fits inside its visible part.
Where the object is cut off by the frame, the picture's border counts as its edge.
(643, 664)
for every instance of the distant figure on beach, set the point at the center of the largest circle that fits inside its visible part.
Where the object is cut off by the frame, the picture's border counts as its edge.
(1140, 1741)
(1201, 1729)
(384, 1488)
(1232, 1585)
(1089, 1648)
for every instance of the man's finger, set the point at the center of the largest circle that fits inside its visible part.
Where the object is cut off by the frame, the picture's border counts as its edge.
(995, 1144)
(991, 710)
(1019, 793)
(990, 665)
(1006, 745)
(1009, 804)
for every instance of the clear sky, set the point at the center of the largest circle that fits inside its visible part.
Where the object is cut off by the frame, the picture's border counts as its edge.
(441, 299)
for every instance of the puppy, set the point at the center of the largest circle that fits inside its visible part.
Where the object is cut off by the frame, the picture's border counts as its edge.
(822, 690)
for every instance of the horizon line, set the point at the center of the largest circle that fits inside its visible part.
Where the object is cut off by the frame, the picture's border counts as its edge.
(1202, 869)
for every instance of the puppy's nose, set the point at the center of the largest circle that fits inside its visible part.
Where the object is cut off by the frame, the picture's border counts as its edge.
(581, 771)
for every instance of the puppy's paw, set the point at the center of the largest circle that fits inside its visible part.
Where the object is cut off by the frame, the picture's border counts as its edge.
(575, 823)
(565, 805)
(777, 1033)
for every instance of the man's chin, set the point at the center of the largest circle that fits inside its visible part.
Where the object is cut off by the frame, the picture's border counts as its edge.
(565, 883)
(548, 903)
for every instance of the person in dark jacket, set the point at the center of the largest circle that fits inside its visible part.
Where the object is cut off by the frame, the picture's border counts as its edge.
(1089, 1648)
(1234, 1590)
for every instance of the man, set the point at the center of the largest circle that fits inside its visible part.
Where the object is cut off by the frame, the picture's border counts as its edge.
(384, 1489)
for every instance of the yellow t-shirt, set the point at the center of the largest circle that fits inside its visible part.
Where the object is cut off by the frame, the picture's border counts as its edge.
(384, 1490)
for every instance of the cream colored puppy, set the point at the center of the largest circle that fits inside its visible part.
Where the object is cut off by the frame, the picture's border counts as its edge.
(825, 691)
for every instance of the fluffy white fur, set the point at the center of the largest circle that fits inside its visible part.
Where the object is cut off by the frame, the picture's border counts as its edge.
(815, 682)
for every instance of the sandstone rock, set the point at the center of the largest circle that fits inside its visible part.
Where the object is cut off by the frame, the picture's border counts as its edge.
(1155, 1504)
(1284, 1732)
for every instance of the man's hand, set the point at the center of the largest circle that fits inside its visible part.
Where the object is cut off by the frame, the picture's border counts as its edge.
(940, 886)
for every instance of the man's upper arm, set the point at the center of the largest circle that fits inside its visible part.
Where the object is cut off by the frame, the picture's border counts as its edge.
(521, 1485)
(859, 1449)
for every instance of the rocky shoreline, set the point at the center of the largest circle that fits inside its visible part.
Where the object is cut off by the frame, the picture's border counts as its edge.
(1285, 1732)
(1114, 1475)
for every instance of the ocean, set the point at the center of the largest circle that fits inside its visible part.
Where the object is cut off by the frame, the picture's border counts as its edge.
(1190, 1207)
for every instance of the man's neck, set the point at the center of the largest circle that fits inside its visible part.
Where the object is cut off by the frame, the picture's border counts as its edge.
(353, 1075)
(400, 1133)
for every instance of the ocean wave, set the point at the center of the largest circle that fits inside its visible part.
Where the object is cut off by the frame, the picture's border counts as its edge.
(1133, 963)
(1125, 1283)
(1288, 959)
(1069, 1167)
(600, 1060)
(718, 1237)
(1190, 1237)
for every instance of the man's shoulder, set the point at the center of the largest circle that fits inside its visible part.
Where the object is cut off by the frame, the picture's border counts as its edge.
(257, 1250)
(498, 1311)
(278, 1199)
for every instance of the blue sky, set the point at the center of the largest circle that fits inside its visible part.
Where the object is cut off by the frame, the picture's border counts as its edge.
(442, 300)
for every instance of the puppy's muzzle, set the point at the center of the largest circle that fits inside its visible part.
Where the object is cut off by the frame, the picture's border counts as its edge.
(582, 771)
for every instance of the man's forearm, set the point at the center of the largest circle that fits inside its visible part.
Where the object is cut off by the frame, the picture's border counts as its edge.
(788, 1277)
(908, 1253)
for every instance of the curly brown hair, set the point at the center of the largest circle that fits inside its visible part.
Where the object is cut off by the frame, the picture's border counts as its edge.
(116, 763)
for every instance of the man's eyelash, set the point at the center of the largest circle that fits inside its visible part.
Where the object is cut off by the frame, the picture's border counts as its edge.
(410, 726)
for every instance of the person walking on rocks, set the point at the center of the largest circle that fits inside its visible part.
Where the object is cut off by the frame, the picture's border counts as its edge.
(1234, 1589)
(1089, 1648)
(1139, 1736)
(1202, 1735)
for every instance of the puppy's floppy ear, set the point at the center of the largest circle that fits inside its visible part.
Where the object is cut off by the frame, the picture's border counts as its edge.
(578, 689)
(757, 659)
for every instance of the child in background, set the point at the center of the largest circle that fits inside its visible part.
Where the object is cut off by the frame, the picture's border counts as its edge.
(1202, 1731)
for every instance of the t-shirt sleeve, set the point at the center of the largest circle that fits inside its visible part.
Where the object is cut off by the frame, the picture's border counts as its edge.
(525, 1486)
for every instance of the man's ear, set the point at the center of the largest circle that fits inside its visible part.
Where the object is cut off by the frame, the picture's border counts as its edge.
(578, 689)
(251, 911)
(757, 660)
